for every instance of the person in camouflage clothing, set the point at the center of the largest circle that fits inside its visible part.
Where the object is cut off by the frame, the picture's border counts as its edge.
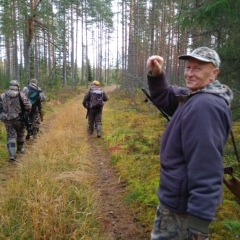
(36, 97)
(10, 115)
(191, 172)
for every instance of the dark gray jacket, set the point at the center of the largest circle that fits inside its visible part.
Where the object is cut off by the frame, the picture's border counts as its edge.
(191, 150)
(86, 99)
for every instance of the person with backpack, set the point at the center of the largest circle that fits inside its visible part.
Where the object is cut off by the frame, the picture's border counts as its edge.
(93, 101)
(191, 172)
(13, 104)
(36, 97)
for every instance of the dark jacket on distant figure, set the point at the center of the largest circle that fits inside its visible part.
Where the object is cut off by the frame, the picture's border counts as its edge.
(86, 99)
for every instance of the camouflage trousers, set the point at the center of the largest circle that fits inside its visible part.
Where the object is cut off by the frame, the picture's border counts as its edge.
(173, 226)
(15, 131)
(94, 117)
(35, 119)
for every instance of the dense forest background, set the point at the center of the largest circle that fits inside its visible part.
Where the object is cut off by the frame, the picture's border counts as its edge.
(64, 43)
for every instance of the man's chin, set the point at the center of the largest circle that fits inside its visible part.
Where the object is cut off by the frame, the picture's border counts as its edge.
(190, 86)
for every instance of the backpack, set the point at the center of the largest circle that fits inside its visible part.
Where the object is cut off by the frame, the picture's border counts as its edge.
(96, 97)
(10, 107)
(33, 95)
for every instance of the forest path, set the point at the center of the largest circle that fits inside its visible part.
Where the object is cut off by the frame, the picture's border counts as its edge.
(116, 217)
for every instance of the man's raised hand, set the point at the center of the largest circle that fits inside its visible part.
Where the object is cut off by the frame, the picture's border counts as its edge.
(155, 65)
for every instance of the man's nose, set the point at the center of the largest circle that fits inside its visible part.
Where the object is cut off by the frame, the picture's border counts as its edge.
(189, 72)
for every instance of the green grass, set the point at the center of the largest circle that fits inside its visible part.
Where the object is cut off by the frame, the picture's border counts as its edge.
(50, 197)
(132, 132)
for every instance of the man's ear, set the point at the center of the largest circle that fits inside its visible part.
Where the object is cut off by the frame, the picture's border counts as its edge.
(214, 74)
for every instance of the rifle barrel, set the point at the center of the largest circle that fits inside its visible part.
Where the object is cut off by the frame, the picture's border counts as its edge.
(150, 98)
(234, 146)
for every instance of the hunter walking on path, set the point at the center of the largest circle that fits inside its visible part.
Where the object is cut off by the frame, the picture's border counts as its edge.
(93, 101)
(13, 104)
(36, 97)
(191, 173)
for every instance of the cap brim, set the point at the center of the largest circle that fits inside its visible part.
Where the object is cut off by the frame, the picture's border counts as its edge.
(187, 56)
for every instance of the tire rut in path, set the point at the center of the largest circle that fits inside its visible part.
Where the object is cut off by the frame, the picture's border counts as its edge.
(117, 218)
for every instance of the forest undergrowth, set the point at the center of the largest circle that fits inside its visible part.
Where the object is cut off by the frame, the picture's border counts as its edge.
(133, 135)
(63, 189)
(50, 195)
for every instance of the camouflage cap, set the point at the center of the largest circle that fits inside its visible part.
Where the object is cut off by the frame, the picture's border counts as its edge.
(14, 83)
(33, 80)
(204, 54)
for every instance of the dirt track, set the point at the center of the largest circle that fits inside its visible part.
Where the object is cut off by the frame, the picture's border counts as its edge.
(117, 218)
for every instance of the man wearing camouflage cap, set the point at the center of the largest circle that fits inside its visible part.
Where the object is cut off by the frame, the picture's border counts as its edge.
(12, 104)
(191, 150)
